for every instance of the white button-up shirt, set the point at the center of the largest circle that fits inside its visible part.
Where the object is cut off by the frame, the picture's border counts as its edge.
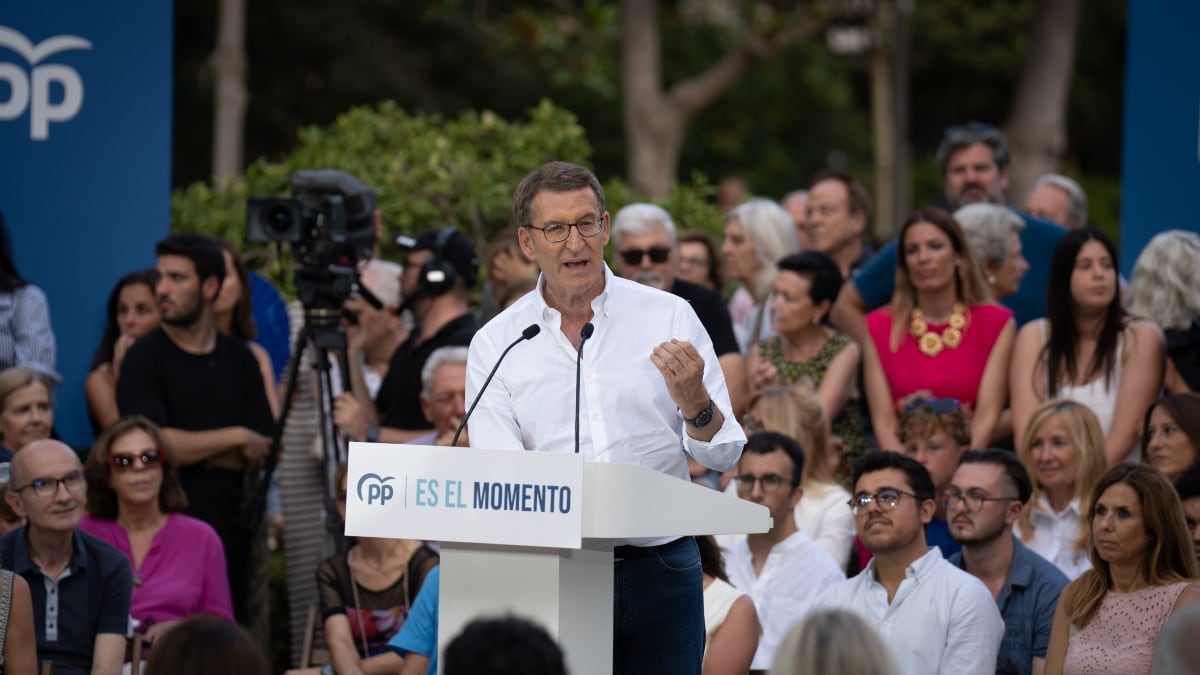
(626, 413)
(1055, 535)
(942, 620)
(796, 570)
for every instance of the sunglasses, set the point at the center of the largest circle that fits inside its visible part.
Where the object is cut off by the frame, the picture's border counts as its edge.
(937, 406)
(633, 256)
(125, 462)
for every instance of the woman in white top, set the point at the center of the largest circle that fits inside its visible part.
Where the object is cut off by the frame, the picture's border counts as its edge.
(757, 234)
(731, 625)
(796, 411)
(1063, 451)
(1087, 349)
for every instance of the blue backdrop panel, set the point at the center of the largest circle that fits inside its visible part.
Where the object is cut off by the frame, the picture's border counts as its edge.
(85, 127)
(1160, 177)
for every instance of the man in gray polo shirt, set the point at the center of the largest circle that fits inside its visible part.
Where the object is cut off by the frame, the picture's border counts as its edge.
(80, 586)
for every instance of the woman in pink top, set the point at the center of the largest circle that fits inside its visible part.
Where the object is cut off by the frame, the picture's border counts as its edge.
(134, 500)
(941, 337)
(1143, 570)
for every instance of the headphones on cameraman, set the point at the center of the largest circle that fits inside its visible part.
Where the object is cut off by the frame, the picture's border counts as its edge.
(438, 275)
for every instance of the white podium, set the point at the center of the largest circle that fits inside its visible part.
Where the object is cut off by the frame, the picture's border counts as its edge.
(560, 573)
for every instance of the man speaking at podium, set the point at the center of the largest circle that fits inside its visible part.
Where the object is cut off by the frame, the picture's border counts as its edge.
(650, 392)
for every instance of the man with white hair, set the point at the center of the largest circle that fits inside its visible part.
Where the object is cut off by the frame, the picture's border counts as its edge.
(443, 395)
(1058, 199)
(376, 333)
(646, 251)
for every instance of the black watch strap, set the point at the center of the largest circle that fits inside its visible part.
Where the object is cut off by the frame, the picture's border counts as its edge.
(372, 434)
(702, 419)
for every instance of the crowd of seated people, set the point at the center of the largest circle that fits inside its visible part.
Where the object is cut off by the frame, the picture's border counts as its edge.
(978, 326)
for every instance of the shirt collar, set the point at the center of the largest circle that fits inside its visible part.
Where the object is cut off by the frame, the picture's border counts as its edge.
(600, 304)
(919, 568)
(22, 563)
(1043, 506)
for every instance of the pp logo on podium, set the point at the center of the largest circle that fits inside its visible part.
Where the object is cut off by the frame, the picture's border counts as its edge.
(30, 88)
(374, 489)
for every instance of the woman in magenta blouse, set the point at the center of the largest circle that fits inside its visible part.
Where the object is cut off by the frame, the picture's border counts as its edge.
(134, 503)
(941, 337)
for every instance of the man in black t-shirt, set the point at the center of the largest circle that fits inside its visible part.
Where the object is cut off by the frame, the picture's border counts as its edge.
(644, 247)
(205, 390)
(440, 268)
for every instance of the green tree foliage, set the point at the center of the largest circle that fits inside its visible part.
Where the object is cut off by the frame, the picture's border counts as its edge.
(428, 171)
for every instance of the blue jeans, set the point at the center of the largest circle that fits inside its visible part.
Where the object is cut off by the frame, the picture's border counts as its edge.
(658, 609)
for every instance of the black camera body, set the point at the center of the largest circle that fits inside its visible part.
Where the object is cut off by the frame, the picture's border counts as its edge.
(329, 223)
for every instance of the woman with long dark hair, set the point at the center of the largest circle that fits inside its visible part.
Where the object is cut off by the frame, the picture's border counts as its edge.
(1087, 349)
(132, 311)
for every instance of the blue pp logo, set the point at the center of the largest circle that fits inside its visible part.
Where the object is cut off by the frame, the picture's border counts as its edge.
(377, 489)
(32, 90)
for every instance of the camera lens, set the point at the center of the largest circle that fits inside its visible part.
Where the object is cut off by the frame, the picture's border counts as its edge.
(279, 219)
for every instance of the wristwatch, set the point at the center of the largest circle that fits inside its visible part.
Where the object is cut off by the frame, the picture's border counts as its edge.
(703, 418)
(372, 435)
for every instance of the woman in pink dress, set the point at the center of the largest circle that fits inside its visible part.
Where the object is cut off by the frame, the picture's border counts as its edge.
(134, 502)
(941, 337)
(1143, 571)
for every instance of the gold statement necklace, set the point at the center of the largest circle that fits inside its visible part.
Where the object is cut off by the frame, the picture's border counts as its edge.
(932, 343)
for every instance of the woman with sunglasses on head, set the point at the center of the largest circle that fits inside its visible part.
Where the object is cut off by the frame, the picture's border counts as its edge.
(941, 337)
(805, 349)
(135, 504)
(1088, 349)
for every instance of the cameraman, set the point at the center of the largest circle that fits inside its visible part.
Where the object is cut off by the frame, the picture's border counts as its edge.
(440, 268)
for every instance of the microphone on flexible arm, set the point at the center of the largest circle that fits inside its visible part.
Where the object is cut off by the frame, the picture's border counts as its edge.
(526, 334)
(584, 334)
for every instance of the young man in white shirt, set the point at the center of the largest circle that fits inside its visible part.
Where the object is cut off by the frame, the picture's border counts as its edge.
(783, 569)
(935, 617)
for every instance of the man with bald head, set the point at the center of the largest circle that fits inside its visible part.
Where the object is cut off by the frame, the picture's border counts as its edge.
(80, 586)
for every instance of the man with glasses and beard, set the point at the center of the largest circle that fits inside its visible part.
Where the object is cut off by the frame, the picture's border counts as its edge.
(205, 391)
(934, 617)
(80, 586)
(983, 501)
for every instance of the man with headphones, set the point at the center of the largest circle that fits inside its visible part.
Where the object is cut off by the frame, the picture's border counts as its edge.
(441, 267)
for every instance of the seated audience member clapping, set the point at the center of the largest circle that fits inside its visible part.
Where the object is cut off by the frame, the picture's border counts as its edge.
(205, 645)
(834, 641)
(731, 627)
(935, 432)
(795, 412)
(942, 336)
(132, 311)
(805, 349)
(135, 504)
(1165, 288)
(1063, 451)
(1087, 349)
(367, 594)
(1171, 434)
(1143, 570)
(26, 409)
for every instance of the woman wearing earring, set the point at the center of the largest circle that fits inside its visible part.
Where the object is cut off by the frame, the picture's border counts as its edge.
(942, 336)
(806, 350)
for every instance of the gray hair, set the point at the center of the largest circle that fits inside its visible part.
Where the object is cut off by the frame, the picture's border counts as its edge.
(1176, 651)
(1165, 287)
(382, 278)
(988, 229)
(1077, 203)
(552, 177)
(965, 135)
(771, 231)
(641, 218)
(440, 357)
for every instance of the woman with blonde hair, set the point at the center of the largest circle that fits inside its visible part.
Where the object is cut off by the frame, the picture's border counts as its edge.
(1165, 288)
(1143, 571)
(942, 336)
(833, 641)
(1063, 451)
(796, 412)
(26, 408)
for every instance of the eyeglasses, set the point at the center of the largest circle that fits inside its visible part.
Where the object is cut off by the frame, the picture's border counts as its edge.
(691, 261)
(556, 232)
(634, 256)
(937, 406)
(887, 499)
(48, 487)
(972, 500)
(752, 425)
(125, 462)
(769, 482)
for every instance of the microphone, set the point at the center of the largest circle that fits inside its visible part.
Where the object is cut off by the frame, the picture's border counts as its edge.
(526, 334)
(584, 334)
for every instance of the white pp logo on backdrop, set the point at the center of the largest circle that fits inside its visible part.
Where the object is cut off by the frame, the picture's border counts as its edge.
(31, 89)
